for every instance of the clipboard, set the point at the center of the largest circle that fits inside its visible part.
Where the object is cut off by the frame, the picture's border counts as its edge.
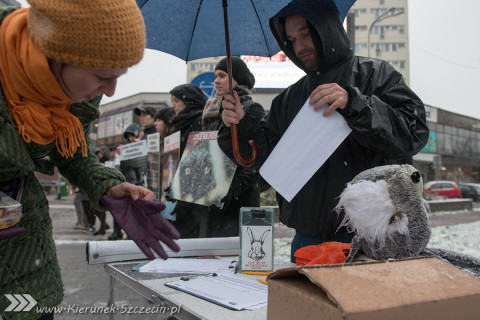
(229, 291)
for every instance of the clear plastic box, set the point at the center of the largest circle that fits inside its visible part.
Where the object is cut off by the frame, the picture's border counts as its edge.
(10, 211)
(256, 239)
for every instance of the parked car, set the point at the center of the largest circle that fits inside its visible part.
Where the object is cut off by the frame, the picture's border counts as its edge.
(475, 191)
(447, 189)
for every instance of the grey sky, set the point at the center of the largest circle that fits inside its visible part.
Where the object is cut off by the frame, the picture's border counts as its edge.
(445, 54)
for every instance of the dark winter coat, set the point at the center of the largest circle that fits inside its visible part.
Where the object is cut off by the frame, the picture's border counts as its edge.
(188, 120)
(187, 215)
(244, 190)
(28, 262)
(147, 131)
(387, 119)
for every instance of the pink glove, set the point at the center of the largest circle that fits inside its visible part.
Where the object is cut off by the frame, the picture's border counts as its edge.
(143, 223)
(11, 232)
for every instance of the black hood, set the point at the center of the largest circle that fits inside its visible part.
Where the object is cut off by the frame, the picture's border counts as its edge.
(326, 28)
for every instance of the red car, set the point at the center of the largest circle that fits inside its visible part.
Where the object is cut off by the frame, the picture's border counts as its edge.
(447, 189)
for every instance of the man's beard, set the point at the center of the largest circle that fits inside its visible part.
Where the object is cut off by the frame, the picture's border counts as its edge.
(310, 64)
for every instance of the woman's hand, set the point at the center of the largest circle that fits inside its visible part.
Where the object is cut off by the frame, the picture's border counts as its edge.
(232, 109)
(125, 189)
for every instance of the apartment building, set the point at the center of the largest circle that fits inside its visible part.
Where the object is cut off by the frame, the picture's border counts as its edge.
(387, 23)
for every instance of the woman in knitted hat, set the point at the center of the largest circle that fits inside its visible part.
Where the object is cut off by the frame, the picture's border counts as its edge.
(188, 102)
(163, 121)
(244, 190)
(57, 58)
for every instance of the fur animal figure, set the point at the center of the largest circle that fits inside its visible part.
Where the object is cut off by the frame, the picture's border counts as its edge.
(385, 208)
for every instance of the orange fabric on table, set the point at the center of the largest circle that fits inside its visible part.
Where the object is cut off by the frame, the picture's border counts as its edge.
(332, 252)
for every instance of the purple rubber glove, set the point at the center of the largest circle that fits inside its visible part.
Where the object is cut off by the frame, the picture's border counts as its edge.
(143, 223)
(11, 232)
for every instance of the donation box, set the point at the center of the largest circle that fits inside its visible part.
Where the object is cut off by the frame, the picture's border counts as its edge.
(256, 239)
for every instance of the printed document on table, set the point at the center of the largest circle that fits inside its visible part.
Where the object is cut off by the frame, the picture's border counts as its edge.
(189, 266)
(230, 291)
(308, 142)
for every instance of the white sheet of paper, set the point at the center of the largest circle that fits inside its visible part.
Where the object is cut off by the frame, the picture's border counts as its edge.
(189, 266)
(308, 142)
(231, 291)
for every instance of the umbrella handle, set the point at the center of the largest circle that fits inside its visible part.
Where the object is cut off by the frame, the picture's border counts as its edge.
(236, 150)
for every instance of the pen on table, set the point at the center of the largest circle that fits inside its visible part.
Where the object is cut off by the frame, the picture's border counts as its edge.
(257, 273)
(262, 281)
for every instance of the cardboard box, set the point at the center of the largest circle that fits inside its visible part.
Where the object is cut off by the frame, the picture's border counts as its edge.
(421, 288)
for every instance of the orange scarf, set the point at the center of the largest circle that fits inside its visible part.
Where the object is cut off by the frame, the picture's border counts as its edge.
(34, 98)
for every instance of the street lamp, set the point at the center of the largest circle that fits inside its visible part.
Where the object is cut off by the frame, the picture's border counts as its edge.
(387, 14)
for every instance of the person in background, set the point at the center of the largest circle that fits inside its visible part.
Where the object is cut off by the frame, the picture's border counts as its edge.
(116, 159)
(103, 155)
(163, 122)
(386, 117)
(131, 134)
(82, 220)
(57, 59)
(147, 120)
(244, 190)
(188, 102)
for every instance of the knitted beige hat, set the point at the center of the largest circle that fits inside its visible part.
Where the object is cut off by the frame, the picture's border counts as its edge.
(100, 34)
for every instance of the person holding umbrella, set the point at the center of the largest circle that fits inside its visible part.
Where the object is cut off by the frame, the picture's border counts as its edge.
(57, 59)
(244, 190)
(386, 117)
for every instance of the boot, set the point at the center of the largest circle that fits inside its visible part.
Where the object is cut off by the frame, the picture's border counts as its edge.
(100, 231)
(117, 232)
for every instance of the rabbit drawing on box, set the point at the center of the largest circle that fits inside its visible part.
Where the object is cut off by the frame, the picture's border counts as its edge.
(256, 251)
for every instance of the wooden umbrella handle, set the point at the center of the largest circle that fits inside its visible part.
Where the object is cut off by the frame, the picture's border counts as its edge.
(253, 145)
(236, 151)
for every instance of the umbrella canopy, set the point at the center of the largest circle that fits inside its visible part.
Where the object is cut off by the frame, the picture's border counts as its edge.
(194, 29)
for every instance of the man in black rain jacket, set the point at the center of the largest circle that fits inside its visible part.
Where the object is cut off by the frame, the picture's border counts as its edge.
(387, 119)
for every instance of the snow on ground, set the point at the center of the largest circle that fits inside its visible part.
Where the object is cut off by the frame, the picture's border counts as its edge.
(464, 238)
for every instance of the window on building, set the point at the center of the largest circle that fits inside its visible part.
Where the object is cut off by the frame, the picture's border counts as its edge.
(377, 11)
(358, 12)
(387, 46)
(398, 63)
(360, 46)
